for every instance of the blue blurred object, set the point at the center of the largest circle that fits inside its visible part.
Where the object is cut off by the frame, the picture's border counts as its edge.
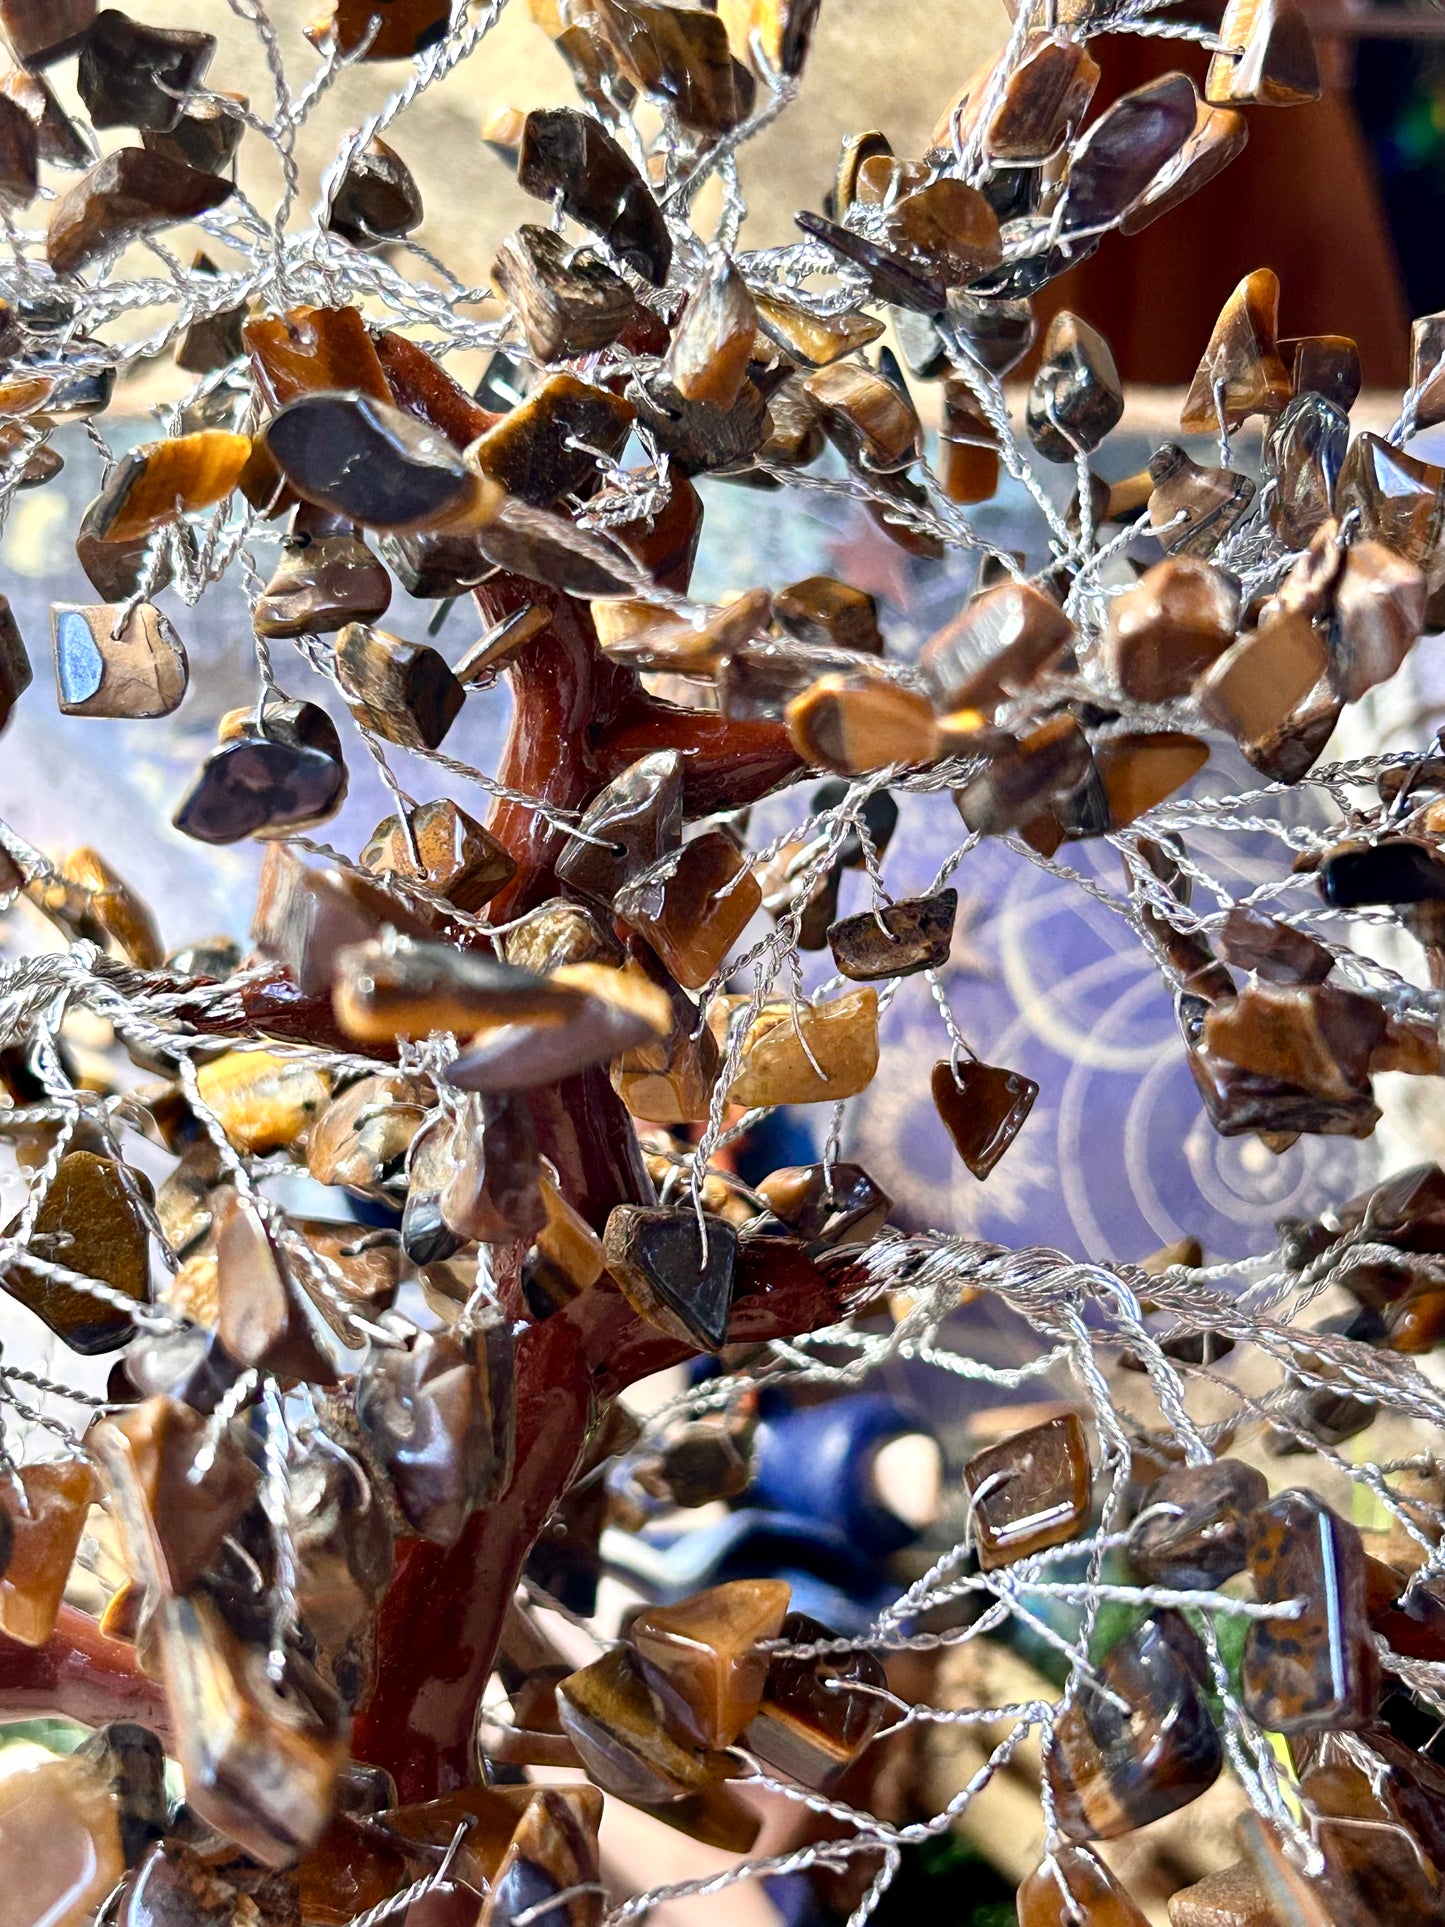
(817, 1462)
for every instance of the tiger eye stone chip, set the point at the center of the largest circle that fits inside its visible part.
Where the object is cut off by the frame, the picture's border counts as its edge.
(897, 940)
(1319, 1670)
(1030, 1491)
(90, 1223)
(699, 1656)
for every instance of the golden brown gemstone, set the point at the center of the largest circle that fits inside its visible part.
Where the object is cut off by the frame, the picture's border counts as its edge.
(758, 681)
(135, 75)
(368, 462)
(671, 1081)
(152, 483)
(817, 1714)
(826, 1205)
(206, 133)
(1427, 369)
(212, 342)
(260, 1763)
(947, 228)
(363, 1271)
(1269, 58)
(309, 350)
(1139, 769)
(639, 634)
(263, 1102)
(881, 179)
(348, 1870)
(983, 1109)
(967, 447)
(853, 153)
(183, 1503)
(19, 154)
(994, 647)
(1303, 452)
(525, 1055)
(443, 849)
(681, 56)
(566, 1258)
(1379, 612)
(403, 28)
(567, 299)
(1401, 502)
(1192, 509)
(130, 193)
(38, 32)
(1274, 951)
(403, 691)
(1319, 1670)
(551, 1862)
(116, 909)
(362, 1137)
(321, 584)
(823, 611)
(1193, 1523)
(60, 1842)
(773, 34)
(378, 198)
(1124, 149)
(1172, 624)
(47, 1504)
(1241, 373)
(90, 1222)
(402, 988)
(440, 1415)
(1219, 135)
(700, 1656)
(811, 341)
(262, 1318)
(492, 1814)
(1147, 1748)
(559, 932)
(1329, 365)
(1051, 82)
(896, 940)
(712, 342)
(855, 723)
(1317, 1036)
(492, 1192)
(1233, 1897)
(820, 1054)
(868, 419)
(569, 154)
(491, 650)
(530, 451)
(657, 1259)
(607, 1713)
(1076, 397)
(692, 905)
(1075, 1889)
(106, 667)
(1030, 1491)
(1259, 681)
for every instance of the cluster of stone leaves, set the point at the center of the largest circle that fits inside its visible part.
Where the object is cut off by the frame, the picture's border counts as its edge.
(519, 1045)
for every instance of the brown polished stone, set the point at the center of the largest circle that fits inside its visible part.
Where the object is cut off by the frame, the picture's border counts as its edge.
(530, 452)
(362, 1137)
(205, 134)
(60, 1842)
(1379, 612)
(90, 1222)
(135, 75)
(657, 1260)
(188, 1502)
(564, 1261)
(1043, 99)
(402, 29)
(1172, 624)
(559, 932)
(1319, 1670)
(1400, 499)
(311, 350)
(855, 723)
(968, 446)
(115, 909)
(1142, 768)
(946, 228)
(712, 341)
(671, 1081)
(608, 1714)
(1257, 684)
(322, 584)
(699, 1656)
(1119, 1762)
(1233, 1897)
(823, 1053)
(493, 1191)
(681, 57)
(1076, 397)
(870, 421)
(152, 483)
(1197, 1532)
(551, 1862)
(1327, 365)
(811, 340)
(1219, 135)
(129, 194)
(47, 1505)
(442, 849)
(830, 614)
(983, 1109)
(1030, 1491)
(817, 1714)
(1075, 1889)
(692, 905)
(570, 154)
(1275, 951)
(1268, 57)
(378, 199)
(526, 1055)
(263, 1319)
(567, 299)
(262, 1102)
(1303, 454)
(404, 988)
(1123, 150)
(213, 341)
(897, 940)
(403, 691)
(308, 912)
(372, 463)
(1319, 1037)
(440, 1415)
(1192, 509)
(140, 672)
(39, 32)
(826, 1206)
(1241, 361)
(995, 646)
